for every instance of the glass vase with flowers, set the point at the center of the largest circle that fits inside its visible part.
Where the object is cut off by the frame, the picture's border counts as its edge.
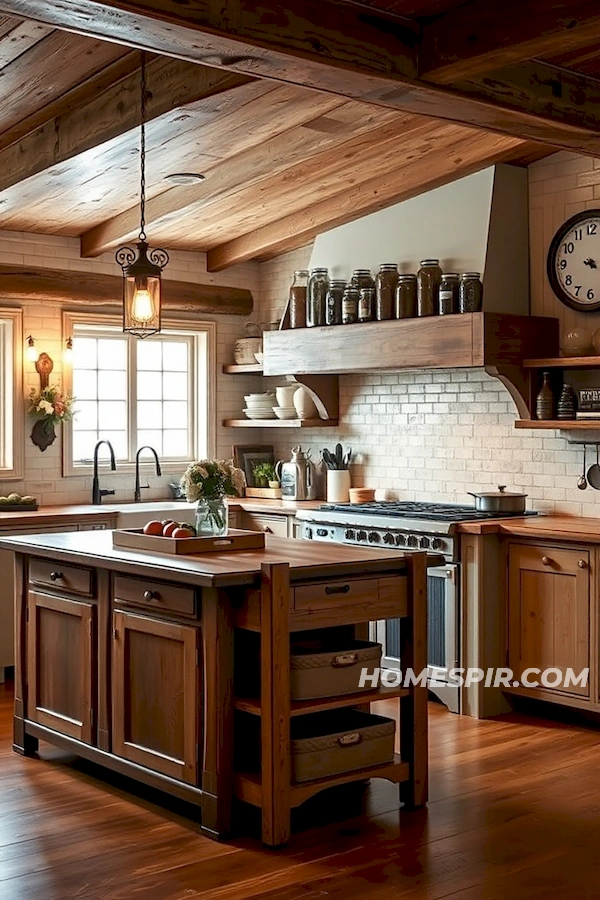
(209, 481)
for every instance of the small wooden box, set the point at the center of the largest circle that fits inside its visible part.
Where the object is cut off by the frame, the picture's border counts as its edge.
(235, 539)
(264, 493)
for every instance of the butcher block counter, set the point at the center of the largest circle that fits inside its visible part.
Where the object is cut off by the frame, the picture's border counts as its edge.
(578, 528)
(128, 658)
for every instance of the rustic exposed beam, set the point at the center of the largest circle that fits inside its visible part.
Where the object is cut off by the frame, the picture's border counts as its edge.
(351, 51)
(454, 153)
(489, 34)
(103, 115)
(291, 147)
(70, 286)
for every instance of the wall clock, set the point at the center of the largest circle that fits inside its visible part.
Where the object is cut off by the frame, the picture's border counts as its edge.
(573, 264)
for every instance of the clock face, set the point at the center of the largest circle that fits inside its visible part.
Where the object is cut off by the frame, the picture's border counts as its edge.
(574, 262)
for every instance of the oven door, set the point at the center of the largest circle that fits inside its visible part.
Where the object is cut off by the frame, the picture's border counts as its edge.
(442, 634)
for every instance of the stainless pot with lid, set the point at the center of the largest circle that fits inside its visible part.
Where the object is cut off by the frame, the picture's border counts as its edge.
(500, 501)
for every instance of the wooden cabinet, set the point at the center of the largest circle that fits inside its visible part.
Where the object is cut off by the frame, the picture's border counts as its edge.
(61, 640)
(267, 522)
(156, 694)
(549, 607)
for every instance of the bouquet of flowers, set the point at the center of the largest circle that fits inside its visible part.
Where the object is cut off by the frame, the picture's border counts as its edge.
(212, 479)
(50, 405)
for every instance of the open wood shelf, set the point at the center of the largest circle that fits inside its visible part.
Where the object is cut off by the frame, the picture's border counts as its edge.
(248, 785)
(249, 369)
(280, 423)
(563, 362)
(562, 424)
(302, 707)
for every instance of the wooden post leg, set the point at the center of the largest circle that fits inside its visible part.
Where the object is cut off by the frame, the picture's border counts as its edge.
(275, 703)
(217, 766)
(23, 743)
(413, 709)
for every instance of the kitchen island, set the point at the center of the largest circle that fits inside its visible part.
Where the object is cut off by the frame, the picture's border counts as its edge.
(129, 658)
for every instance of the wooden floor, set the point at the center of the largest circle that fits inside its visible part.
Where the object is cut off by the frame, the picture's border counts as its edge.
(514, 813)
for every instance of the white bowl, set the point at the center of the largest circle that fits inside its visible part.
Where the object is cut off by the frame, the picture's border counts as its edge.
(260, 401)
(259, 413)
(285, 413)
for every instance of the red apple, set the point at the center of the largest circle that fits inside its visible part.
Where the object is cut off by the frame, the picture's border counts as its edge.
(166, 522)
(182, 532)
(169, 528)
(153, 527)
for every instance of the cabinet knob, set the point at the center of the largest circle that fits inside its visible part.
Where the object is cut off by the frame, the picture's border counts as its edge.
(546, 560)
(56, 576)
(267, 529)
(582, 564)
(151, 595)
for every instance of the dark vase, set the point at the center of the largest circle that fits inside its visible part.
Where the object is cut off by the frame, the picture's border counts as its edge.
(566, 406)
(43, 433)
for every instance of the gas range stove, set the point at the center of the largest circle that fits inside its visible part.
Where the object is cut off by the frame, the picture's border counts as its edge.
(403, 524)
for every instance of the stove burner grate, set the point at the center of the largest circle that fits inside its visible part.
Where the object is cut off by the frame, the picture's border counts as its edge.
(406, 509)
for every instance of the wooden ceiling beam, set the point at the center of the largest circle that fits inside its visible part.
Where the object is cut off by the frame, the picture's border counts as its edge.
(91, 288)
(290, 147)
(360, 54)
(453, 154)
(486, 35)
(88, 117)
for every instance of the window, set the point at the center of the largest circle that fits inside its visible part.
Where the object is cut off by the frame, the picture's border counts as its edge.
(135, 393)
(11, 394)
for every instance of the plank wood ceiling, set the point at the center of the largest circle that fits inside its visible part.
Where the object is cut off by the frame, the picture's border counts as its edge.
(478, 83)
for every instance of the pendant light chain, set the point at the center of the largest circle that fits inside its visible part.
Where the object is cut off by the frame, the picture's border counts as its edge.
(143, 152)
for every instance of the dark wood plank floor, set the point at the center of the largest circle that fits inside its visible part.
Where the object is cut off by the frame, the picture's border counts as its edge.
(514, 813)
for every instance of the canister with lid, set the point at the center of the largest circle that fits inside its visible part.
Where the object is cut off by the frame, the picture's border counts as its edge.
(385, 290)
(470, 293)
(366, 304)
(448, 294)
(298, 291)
(406, 297)
(333, 308)
(318, 284)
(428, 283)
(349, 305)
(362, 278)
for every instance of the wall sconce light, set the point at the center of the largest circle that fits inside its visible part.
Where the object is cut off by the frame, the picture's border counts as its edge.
(31, 353)
(68, 351)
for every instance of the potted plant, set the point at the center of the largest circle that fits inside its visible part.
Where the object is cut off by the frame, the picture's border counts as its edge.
(50, 407)
(264, 473)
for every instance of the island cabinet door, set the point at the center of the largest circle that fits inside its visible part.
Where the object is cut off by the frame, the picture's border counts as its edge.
(61, 637)
(549, 613)
(156, 691)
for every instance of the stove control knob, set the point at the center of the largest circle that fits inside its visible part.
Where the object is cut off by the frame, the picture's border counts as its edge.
(322, 532)
(413, 541)
(388, 538)
(424, 543)
(350, 534)
(437, 544)
(400, 540)
(361, 535)
(374, 537)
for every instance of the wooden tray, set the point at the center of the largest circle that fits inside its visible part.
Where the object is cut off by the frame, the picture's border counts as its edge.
(18, 507)
(235, 539)
(264, 493)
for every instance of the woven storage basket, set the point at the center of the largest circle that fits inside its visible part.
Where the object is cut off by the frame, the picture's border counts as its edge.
(318, 670)
(333, 743)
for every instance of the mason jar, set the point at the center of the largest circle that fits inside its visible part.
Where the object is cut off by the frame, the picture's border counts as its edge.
(406, 297)
(448, 294)
(298, 291)
(428, 284)
(385, 291)
(470, 293)
(366, 304)
(318, 285)
(333, 306)
(349, 305)
(362, 278)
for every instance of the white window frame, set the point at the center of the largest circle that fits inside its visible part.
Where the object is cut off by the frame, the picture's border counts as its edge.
(12, 408)
(202, 417)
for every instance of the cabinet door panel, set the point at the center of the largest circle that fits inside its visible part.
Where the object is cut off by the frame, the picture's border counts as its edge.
(270, 524)
(156, 695)
(549, 608)
(60, 651)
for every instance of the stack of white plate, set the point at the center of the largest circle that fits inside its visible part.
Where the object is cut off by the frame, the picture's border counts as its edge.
(259, 406)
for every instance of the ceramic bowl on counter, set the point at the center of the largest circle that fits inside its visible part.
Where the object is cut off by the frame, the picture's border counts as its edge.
(285, 412)
(260, 412)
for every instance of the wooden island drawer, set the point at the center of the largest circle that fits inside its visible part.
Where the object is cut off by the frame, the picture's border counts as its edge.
(73, 579)
(371, 591)
(155, 595)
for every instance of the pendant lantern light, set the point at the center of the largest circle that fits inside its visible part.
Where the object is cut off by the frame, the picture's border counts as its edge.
(142, 269)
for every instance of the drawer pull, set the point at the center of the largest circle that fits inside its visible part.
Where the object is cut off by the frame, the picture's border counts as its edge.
(350, 740)
(345, 659)
(582, 564)
(267, 530)
(56, 576)
(546, 561)
(339, 589)
(151, 595)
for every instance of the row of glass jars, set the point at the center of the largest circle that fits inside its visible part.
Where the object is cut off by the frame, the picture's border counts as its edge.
(317, 300)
